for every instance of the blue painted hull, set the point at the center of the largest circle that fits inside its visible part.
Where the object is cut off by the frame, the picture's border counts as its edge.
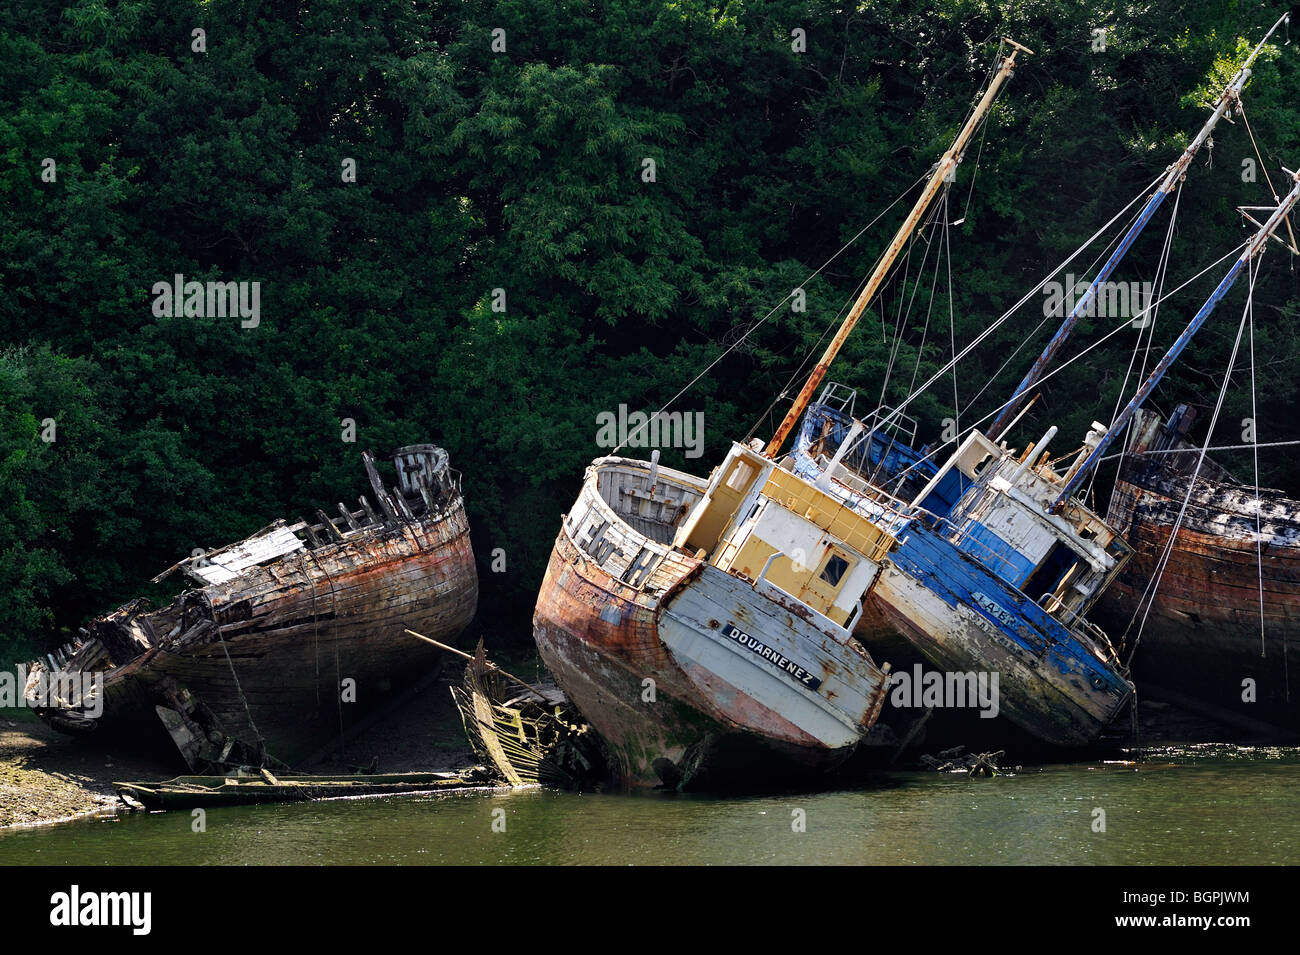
(964, 618)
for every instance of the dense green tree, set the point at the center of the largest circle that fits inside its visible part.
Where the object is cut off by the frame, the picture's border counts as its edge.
(642, 185)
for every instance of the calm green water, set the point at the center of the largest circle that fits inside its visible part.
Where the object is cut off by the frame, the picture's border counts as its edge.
(1197, 805)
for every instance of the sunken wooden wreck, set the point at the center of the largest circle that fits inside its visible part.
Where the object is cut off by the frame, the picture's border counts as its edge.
(290, 636)
(189, 792)
(527, 734)
(1225, 608)
(704, 628)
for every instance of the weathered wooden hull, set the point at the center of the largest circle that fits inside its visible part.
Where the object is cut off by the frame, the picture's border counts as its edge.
(676, 702)
(1203, 635)
(286, 656)
(187, 792)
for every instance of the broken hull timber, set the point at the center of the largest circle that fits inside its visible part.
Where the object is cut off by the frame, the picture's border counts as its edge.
(676, 702)
(262, 657)
(963, 618)
(1202, 636)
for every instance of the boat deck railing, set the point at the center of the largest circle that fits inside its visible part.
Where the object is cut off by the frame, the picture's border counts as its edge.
(884, 420)
(1080, 627)
(838, 396)
(874, 502)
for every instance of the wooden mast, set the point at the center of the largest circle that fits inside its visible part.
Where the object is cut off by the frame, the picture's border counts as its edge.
(944, 170)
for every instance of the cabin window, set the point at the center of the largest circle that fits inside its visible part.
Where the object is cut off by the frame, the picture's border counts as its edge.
(1059, 561)
(740, 476)
(835, 569)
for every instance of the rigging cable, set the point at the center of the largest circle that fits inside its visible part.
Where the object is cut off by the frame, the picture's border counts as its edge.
(736, 344)
(1101, 341)
(914, 393)
(952, 320)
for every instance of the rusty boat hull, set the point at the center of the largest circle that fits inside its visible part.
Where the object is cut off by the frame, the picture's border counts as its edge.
(662, 670)
(1223, 627)
(276, 662)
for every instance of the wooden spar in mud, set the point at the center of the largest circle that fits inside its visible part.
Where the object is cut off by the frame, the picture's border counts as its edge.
(943, 171)
(470, 657)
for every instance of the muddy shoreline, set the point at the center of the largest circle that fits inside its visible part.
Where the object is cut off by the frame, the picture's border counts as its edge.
(48, 777)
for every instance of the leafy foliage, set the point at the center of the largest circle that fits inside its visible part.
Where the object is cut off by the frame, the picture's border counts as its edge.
(524, 171)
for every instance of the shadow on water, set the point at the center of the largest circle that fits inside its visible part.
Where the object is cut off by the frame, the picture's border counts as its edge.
(1181, 806)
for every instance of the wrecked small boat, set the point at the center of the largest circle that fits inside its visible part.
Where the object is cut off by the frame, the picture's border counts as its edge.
(676, 616)
(1225, 607)
(528, 734)
(189, 792)
(291, 635)
(987, 579)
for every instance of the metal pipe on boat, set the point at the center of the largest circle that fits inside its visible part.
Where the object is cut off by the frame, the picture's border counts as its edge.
(1035, 454)
(824, 479)
(654, 471)
(1016, 420)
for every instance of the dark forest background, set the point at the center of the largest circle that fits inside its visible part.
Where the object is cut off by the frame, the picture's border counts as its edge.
(522, 170)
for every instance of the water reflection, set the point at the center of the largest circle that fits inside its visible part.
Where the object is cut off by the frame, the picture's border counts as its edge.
(1190, 805)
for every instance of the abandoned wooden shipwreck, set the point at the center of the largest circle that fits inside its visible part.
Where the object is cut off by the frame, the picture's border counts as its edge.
(676, 616)
(1218, 607)
(705, 628)
(291, 634)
